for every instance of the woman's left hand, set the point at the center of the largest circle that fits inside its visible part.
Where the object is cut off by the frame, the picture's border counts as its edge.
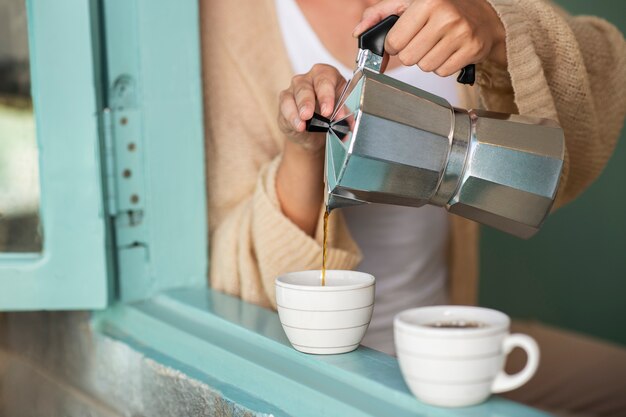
(440, 35)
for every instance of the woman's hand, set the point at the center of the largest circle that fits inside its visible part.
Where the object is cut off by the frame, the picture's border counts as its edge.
(440, 35)
(300, 175)
(318, 88)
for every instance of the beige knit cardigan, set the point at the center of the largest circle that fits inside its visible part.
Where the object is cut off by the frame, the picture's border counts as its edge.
(570, 69)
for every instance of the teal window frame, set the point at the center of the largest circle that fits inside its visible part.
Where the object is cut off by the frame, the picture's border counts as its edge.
(154, 145)
(118, 108)
(240, 350)
(73, 269)
(136, 96)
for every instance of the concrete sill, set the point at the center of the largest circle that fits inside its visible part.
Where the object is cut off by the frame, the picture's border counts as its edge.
(240, 350)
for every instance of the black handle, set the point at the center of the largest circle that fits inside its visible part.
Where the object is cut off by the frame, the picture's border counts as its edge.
(373, 39)
(467, 75)
(319, 123)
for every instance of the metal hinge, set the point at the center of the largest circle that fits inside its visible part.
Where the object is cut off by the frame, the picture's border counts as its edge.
(123, 153)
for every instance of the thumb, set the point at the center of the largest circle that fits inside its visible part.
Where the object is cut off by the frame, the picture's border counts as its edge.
(374, 14)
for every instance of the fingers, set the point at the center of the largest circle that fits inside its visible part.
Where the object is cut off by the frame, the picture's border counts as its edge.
(304, 96)
(456, 61)
(412, 22)
(467, 52)
(440, 35)
(322, 84)
(452, 65)
(288, 116)
(325, 93)
(437, 56)
(319, 87)
(378, 12)
(420, 45)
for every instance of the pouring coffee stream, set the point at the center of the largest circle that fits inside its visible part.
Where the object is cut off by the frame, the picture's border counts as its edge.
(370, 55)
(389, 142)
(325, 246)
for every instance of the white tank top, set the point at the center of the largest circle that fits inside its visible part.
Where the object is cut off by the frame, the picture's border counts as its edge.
(403, 247)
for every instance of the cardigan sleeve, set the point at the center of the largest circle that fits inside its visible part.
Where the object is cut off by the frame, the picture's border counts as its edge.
(571, 69)
(255, 242)
(251, 240)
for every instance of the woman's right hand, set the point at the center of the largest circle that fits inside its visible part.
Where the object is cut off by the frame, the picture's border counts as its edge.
(300, 175)
(317, 89)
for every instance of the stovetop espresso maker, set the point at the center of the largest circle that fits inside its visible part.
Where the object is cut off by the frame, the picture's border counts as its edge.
(388, 142)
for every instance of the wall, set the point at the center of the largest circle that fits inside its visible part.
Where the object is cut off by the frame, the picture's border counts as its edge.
(573, 273)
(72, 371)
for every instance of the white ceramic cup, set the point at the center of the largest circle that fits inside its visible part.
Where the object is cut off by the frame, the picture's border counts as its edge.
(326, 319)
(456, 367)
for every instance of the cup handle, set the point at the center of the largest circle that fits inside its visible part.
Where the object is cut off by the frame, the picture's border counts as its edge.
(505, 382)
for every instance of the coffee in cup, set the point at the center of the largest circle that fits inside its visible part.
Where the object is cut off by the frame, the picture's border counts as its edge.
(454, 356)
(456, 324)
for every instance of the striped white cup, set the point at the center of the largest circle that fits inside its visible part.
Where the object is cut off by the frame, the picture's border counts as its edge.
(326, 319)
(459, 366)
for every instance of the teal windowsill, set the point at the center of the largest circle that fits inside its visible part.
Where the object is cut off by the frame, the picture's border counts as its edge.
(240, 350)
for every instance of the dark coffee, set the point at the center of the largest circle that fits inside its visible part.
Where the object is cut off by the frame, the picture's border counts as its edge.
(457, 324)
(326, 214)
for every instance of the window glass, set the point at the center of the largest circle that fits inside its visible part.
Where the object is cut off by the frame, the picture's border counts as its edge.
(20, 229)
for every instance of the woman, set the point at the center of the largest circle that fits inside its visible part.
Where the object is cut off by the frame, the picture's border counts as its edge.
(265, 178)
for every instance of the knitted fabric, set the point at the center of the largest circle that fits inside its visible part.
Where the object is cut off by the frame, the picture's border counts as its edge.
(571, 69)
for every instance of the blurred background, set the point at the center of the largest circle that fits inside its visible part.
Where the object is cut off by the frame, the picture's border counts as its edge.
(573, 273)
(19, 174)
